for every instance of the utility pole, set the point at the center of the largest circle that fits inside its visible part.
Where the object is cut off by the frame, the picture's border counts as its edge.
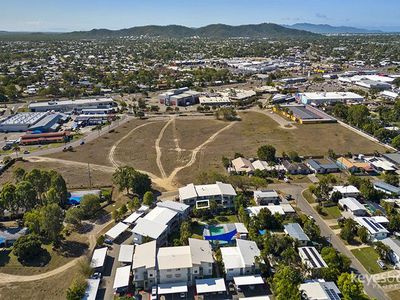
(90, 176)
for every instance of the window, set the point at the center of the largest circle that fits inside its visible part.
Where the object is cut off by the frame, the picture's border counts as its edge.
(177, 275)
(195, 271)
(150, 275)
(178, 269)
(169, 276)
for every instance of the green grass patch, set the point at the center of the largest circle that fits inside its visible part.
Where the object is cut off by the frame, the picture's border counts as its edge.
(332, 212)
(335, 227)
(223, 219)
(308, 196)
(367, 257)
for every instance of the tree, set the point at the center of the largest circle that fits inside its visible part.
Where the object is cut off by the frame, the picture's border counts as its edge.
(25, 195)
(8, 198)
(294, 156)
(74, 216)
(351, 287)
(136, 203)
(32, 221)
(382, 249)
(243, 216)
(348, 231)
(123, 210)
(396, 142)
(362, 234)
(336, 196)
(358, 115)
(267, 153)
(392, 179)
(122, 178)
(90, 204)
(336, 261)
(148, 198)
(285, 284)
(312, 230)
(100, 240)
(185, 233)
(19, 174)
(140, 183)
(27, 247)
(59, 185)
(225, 162)
(51, 221)
(77, 289)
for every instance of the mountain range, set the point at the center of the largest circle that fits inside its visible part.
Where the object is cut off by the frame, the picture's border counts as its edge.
(329, 29)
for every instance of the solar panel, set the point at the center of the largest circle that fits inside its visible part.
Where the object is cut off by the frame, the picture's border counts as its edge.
(332, 294)
(316, 256)
(370, 224)
(378, 225)
(305, 250)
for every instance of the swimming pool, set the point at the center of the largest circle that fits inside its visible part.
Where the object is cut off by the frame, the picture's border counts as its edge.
(216, 230)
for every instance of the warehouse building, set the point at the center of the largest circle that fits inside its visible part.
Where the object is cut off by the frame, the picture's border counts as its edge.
(31, 121)
(72, 105)
(328, 98)
(304, 114)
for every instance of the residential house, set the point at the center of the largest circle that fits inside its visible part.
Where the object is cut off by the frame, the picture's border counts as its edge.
(266, 197)
(387, 188)
(381, 164)
(295, 231)
(144, 265)
(375, 230)
(353, 205)
(346, 190)
(281, 209)
(241, 260)
(354, 166)
(311, 258)
(242, 166)
(295, 168)
(200, 195)
(322, 168)
(394, 253)
(263, 165)
(320, 290)
(393, 158)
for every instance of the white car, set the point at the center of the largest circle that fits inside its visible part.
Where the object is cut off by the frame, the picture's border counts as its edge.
(154, 292)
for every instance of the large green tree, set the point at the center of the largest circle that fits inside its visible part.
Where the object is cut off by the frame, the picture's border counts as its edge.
(285, 284)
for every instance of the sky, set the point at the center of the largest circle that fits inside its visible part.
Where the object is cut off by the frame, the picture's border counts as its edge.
(69, 15)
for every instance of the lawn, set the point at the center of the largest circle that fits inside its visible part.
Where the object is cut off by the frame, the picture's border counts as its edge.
(367, 257)
(308, 196)
(223, 219)
(332, 212)
(394, 295)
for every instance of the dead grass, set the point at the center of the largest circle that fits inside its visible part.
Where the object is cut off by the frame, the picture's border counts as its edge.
(76, 176)
(138, 150)
(96, 151)
(51, 288)
(257, 129)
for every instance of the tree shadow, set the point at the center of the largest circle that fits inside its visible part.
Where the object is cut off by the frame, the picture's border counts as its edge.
(4, 257)
(85, 228)
(40, 260)
(72, 249)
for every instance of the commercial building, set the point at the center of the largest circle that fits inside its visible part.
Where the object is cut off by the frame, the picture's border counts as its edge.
(320, 290)
(295, 231)
(240, 260)
(72, 105)
(214, 100)
(266, 197)
(200, 195)
(42, 122)
(328, 98)
(311, 258)
(45, 138)
(352, 205)
(375, 230)
(179, 97)
(304, 114)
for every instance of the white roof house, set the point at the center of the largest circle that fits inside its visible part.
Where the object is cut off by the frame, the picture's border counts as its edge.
(242, 165)
(311, 257)
(295, 231)
(122, 276)
(282, 209)
(376, 230)
(320, 290)
(265, 196)
(117, 230)
(126, 253)
(353, 205)
(98, 258)
(346, 190)
(145, 255)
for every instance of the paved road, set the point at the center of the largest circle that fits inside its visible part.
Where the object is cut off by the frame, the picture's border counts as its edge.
(372, 289)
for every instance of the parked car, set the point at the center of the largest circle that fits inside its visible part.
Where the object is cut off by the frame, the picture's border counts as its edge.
(154, 292)
(108, 241)
(381, 264)
(97, 275)
(26, 152)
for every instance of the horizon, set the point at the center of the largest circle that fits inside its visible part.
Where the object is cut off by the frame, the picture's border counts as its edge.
(58, 16)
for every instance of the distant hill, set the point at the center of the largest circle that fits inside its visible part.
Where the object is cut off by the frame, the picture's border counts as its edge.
(329, 29)
(264, 30)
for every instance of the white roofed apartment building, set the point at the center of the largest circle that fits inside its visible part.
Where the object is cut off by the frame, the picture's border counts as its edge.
(240, 260)
(168, 265)
(200, 195)
(156, 225)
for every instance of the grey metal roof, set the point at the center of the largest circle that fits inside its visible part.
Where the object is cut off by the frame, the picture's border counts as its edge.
(295, 231)
(393, 157)
(388, 187)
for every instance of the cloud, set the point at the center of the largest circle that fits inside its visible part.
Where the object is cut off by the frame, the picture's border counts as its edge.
(321, 16)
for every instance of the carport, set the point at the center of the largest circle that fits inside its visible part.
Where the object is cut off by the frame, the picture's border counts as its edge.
(172, 288)
(121, 280)
(116, 231)
(210, 285)
(248, 280)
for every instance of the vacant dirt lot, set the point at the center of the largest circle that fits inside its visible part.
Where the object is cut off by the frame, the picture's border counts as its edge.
(96, 152)
(257, 129)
